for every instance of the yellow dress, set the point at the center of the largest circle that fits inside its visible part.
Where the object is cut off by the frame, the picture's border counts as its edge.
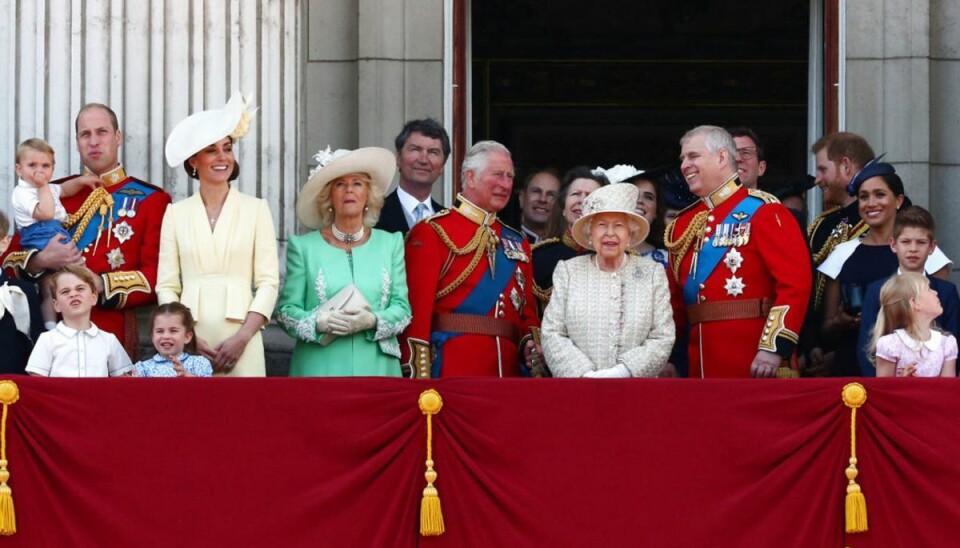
(221, 274)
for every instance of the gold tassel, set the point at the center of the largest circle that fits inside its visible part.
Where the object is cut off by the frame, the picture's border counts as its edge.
(9, 394)
(431, 517)
(854, 396)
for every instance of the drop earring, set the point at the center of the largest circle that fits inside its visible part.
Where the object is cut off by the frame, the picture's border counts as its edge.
(194, 172)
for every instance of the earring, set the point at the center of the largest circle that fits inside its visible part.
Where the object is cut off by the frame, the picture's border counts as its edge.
(329, 209)
(194, 172)
(365, 208)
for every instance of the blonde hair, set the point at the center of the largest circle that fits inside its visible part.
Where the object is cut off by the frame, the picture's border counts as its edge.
(37, 145)
(897, 297)
(373, 206)
(83, 273)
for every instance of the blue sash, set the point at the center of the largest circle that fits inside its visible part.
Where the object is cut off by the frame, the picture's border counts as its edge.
(133, 189)
(709, 257)
(480, 301)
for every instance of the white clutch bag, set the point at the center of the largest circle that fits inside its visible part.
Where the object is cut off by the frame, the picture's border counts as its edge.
(348, 298)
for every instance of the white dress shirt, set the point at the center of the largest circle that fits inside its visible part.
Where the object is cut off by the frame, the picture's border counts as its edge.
(67, 352)
(409, 204)
(25, 200)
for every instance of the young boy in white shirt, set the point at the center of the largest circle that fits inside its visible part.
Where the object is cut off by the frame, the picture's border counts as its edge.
(77, 347)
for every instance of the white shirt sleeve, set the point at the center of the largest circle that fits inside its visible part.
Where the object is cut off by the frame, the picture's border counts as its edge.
(118, 362)
(41, 358)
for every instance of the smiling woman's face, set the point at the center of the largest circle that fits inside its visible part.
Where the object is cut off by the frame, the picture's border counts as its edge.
(578, 191)
(215, 162)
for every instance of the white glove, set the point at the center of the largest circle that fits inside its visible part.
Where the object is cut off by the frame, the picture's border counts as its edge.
(323, 321)
(618, 371)
(347, 322)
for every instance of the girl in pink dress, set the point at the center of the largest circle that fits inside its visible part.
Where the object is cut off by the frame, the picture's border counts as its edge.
(905, 341)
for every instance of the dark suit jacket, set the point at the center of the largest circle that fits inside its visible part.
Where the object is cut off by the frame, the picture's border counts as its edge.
(392, 218)
(948, 321)
(16, 346)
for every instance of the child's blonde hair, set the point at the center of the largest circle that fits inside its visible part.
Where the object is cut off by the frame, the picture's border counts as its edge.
(83, 273)
(37, 145)
(897, 297)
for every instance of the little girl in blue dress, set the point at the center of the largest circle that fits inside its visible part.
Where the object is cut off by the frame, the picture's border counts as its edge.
(171, 329)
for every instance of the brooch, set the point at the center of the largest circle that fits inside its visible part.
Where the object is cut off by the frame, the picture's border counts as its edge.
(122, 231)
(115, 258)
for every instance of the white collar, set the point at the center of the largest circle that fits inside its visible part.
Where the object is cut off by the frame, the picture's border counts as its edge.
(410, 203)
(70, 332)
(933, 343)
(159, 358)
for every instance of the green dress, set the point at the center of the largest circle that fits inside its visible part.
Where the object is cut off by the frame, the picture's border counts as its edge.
(316, 271)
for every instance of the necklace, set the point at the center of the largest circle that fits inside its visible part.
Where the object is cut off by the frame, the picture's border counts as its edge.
(347, 238)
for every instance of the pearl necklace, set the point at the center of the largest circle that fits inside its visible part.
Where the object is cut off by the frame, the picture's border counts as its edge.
(347, 238)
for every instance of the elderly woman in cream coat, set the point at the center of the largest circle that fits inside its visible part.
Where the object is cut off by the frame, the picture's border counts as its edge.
(218, 248)
(610, 314)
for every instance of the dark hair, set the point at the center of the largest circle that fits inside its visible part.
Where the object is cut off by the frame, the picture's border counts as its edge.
(428, 127)
(89, 106)
(743, 131)
(655, 238)
(233, 174)
(845, 144)
(914, 217)
(534, 173)
(893, 182)
(178, 309)
(556, 224)
(4, 225)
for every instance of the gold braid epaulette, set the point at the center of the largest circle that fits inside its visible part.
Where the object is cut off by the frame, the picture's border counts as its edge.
(99, 197)
(678, 248)
(477, 245)
(816, 222)
(836, 238)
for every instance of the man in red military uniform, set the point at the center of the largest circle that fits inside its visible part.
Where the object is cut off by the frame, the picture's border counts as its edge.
(739, 271)
(469, 280)
(115, 229)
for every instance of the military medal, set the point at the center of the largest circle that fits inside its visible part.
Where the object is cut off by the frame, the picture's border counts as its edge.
(521, 279)
(515, 299)
(514, 250)
(132, 211)
(733, 260)
(734, 286)
(123, 209)
(115, 258)
(123, 231)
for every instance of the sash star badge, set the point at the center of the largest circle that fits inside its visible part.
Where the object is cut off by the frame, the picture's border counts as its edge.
(115, 258)
(733, 260)
(122, 231)
(516, 300)
(734, 286)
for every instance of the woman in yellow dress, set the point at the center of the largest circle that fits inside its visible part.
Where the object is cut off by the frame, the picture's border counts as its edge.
(218, 248)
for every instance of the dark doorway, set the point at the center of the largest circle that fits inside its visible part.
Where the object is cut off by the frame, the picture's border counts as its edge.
(565, 83)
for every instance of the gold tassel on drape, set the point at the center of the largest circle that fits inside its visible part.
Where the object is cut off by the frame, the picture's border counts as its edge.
(431, 517)
(854, 396)
(9, 394)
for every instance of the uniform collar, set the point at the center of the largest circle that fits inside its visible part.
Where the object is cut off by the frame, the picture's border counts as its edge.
(111, 177)
(721, 194)
(70, 332)
(475, 213)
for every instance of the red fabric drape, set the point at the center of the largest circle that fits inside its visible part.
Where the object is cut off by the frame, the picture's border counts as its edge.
(551, 462)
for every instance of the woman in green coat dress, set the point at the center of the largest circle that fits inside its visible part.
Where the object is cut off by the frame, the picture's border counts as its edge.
(337, 335)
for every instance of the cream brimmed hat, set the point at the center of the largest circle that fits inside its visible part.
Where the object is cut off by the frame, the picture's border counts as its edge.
(202, 129)
(378, 163)
(611, 199)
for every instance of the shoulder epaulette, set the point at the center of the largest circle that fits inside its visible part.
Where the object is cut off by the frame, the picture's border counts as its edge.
(765, 196)
(437, 215)
(543, 243)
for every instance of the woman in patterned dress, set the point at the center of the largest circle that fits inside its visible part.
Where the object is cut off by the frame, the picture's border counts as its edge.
(610, 314)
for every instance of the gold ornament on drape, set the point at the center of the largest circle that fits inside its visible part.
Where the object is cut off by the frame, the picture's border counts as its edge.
(431, 517)
(854, 396)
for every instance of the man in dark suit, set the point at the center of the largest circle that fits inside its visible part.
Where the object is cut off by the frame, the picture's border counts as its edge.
(422, 149)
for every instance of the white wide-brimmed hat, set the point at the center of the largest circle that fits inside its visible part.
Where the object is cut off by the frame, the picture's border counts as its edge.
(378, 163)
(202, 129)
(618, 173)
(611, 199)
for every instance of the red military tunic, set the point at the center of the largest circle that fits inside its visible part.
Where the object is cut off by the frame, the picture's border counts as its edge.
(125, 255)
(467, 318)
(755, 298)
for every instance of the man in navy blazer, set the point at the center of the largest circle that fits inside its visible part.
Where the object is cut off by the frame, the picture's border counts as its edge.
(422, 150)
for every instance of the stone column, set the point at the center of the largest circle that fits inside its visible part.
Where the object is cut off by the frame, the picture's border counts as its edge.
(945, 125)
